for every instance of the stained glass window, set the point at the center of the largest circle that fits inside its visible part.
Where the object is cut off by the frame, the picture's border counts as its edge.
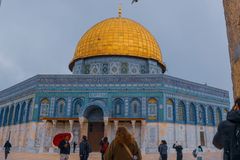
(170, 109)
(210, 115)
(218, 116)
(192, 113)
(181, 112)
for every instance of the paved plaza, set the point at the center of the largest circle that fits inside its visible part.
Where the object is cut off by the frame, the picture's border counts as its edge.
(96, 156)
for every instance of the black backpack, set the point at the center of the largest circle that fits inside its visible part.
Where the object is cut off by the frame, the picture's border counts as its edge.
(235, 144)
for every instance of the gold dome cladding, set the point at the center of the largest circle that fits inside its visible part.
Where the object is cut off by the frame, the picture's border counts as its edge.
(117, 37)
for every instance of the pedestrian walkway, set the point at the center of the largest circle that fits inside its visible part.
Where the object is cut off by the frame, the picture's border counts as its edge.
(96, 156)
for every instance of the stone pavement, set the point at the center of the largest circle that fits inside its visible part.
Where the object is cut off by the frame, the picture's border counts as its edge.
(96, 156)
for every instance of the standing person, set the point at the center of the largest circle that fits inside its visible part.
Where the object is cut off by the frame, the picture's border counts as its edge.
(84, 148)
(178, 149)
(199, 153)
(103, 146)
(228, 134)
(74, 146)
(64, 147)
(162, 149)
(7, 147)
(123, 147)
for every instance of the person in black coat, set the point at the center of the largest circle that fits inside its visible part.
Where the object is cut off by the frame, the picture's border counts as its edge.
(84, 148)
(162, 149)
(223, 139)
(178, 149)
(7, 147)
(64, 147)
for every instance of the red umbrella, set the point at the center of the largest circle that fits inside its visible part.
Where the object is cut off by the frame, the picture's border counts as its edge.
(61, 136)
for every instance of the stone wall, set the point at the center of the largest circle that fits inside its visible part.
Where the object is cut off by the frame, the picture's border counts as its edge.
(232, 14)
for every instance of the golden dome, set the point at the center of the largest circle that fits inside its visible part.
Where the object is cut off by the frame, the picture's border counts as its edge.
(117, 37)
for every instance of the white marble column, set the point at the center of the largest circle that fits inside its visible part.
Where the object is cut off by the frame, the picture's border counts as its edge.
(106, 127)
(143, 130)
(115, 125)
(133, 122)
(43, 136)
(71, 125)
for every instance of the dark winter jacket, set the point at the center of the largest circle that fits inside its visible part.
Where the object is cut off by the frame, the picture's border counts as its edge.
(7, 146)
(178, 149)
(224, 134)
(64, 147)
(162, 149)
(84, 148)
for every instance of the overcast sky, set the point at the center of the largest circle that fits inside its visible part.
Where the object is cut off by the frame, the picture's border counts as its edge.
(40, 36)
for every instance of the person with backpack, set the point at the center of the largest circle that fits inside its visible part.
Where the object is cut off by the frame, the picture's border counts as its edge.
(7, 147)
(103, 146)
(178, 149)
(84, 148)
(228, 134)
(123, 147)
(162, 149)
(198, 153)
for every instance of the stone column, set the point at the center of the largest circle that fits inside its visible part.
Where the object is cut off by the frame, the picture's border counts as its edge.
(71, 125)
(105, 126)
(115, 125)
(143, 130)
(43, 136)
(133, 122)
(83, 127)
(54, 124)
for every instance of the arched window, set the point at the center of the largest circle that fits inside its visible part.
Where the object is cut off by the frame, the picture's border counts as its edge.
(60, 111)
(10, 118)
(218, 116)
(181, 112)
(77, 104)
(135, 107)
(23, 112)
(225, 111)
(201, 115)
(210, 116)
(118, 106)
(16, 114)
(192, 113)
(28, 111)
(152, 109)
(6, 116)
(170, 106)
(44, 107)
(1, 117)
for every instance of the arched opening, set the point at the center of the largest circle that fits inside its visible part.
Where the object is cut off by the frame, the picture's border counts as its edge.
(94, 115)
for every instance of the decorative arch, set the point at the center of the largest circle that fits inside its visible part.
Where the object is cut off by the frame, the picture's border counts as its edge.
(201, 115)
(218, 116)
(10, 118)
(170, 109)
(77, 104)
(28, 110)
(16, 115)
(91, 105)
(45, 103)
(60, 108)
(118, 105)
(6, 114)
(210, 115)
(152, 108)
(22, 112)
(135, 107)
(192, 113)
(181, 116)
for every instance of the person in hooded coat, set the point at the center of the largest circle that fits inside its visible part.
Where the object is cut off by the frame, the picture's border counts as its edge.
(226, 130)
(7, 147)
(123, 147)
